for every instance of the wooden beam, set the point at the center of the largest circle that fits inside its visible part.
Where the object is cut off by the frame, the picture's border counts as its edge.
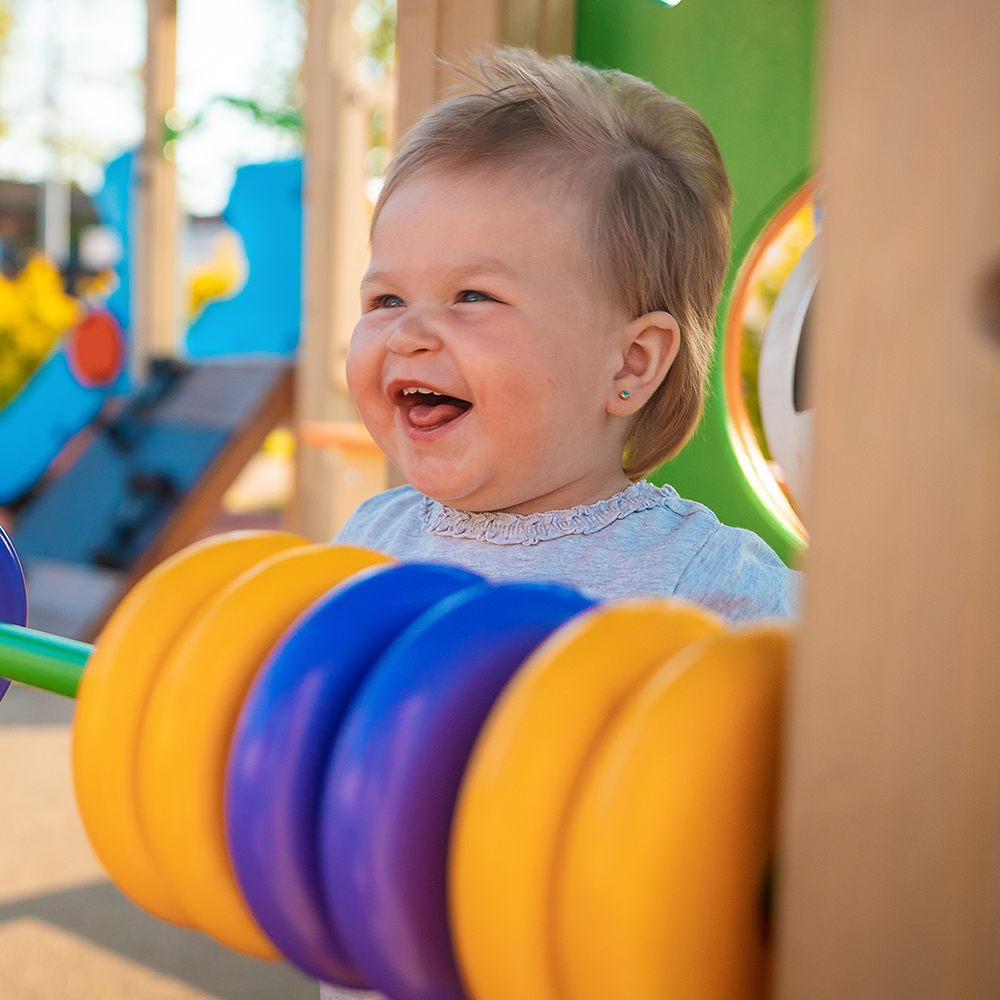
(464, 28)
(155, 298)
(416, 53)
(335, 254)
(548, 26)
(890, 875)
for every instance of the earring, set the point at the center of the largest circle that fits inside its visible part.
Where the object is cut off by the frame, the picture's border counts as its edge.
(624, 394)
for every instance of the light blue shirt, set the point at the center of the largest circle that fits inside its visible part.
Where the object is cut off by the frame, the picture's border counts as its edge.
(644, 540)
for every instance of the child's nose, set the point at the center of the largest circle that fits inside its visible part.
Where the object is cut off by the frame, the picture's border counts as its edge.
(414, 333)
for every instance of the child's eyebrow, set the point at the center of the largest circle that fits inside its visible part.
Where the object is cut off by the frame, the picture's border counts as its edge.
(484, 265)
(487, 266)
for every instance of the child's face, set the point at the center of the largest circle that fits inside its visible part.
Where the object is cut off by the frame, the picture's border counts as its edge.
(481, 289)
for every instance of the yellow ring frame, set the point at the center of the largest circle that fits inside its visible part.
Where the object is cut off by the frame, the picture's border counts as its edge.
(115, 690)
(190, 720)
(666, 855)
(520, 781)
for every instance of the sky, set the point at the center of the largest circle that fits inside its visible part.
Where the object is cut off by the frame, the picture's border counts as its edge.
(83, 59)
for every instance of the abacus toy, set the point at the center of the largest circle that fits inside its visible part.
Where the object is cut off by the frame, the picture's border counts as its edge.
(389, 772)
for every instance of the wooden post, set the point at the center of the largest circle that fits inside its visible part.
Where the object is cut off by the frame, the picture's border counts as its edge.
(155, 297)
(890, 875)
(432, 31)
(336, 252)
(548, 26)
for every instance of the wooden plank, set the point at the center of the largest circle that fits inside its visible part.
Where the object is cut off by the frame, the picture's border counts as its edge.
(416, 53)
(890, 874)
(465, 27)
(155, 298)
(338, 434)
(432, 31)
(548, 26)
(336, 252)
(557, 28)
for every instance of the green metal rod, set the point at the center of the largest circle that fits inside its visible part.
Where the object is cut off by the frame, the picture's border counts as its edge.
(44, 661)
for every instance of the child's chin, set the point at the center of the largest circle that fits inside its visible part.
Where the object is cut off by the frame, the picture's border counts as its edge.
(446, 489)
(449, 490)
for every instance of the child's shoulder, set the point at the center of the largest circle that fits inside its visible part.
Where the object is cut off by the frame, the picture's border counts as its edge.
(656, 514)
(731, 570)
(395, 501)
(680, 548)
(385, 514)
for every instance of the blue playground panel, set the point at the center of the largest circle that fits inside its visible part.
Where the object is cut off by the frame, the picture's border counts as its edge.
(115, 205)
(265, 208)
(54, 406)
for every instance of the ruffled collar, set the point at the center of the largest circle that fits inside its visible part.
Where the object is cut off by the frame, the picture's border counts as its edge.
(530, 529)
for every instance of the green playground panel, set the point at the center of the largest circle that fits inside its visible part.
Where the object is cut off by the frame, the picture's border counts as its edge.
(748, 67)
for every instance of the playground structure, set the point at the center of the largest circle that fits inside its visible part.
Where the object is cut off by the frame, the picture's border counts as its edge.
(150, 472)
(889, 818)
(151, 476)
(93, 341)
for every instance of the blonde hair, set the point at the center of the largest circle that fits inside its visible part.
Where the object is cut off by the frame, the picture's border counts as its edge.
(656, 179)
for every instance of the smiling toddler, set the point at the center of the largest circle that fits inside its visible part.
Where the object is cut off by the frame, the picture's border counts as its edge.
(547, 258)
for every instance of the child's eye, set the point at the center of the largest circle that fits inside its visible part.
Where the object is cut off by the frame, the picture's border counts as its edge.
(471, 295)
(387, 302)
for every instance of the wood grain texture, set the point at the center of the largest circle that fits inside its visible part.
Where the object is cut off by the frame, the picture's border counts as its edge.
(890, 868)
(416, 54)
(335, 250)
(435, 36)
(549, 26)
(156, 294)
(434, 39)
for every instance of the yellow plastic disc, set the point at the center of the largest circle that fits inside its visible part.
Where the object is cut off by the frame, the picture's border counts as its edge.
(114, 692)
(661, 884)
(520, 779)
(189, 723)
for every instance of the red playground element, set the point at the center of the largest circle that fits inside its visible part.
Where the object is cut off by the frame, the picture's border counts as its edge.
(96, 349)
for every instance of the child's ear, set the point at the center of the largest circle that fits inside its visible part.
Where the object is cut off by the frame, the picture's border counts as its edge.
(649, 346)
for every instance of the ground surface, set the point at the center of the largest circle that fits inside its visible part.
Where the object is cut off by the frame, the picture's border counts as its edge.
(66, 933)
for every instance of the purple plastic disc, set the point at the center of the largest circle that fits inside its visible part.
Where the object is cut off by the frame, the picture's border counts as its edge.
(396, 769)
(282, 745)
(13, 597)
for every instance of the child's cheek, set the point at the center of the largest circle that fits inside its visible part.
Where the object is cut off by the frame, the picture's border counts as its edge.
(363, 369)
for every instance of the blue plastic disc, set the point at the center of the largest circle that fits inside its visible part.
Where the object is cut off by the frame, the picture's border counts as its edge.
(282, 745)
(396, 771)
(13, 598)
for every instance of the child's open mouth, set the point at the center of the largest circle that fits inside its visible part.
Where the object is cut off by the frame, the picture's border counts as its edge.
(427, 410)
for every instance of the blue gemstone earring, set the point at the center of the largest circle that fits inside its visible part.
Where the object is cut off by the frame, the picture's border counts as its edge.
(624, 394)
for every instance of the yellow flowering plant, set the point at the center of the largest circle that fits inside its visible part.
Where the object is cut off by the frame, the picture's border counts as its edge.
(34, 312)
